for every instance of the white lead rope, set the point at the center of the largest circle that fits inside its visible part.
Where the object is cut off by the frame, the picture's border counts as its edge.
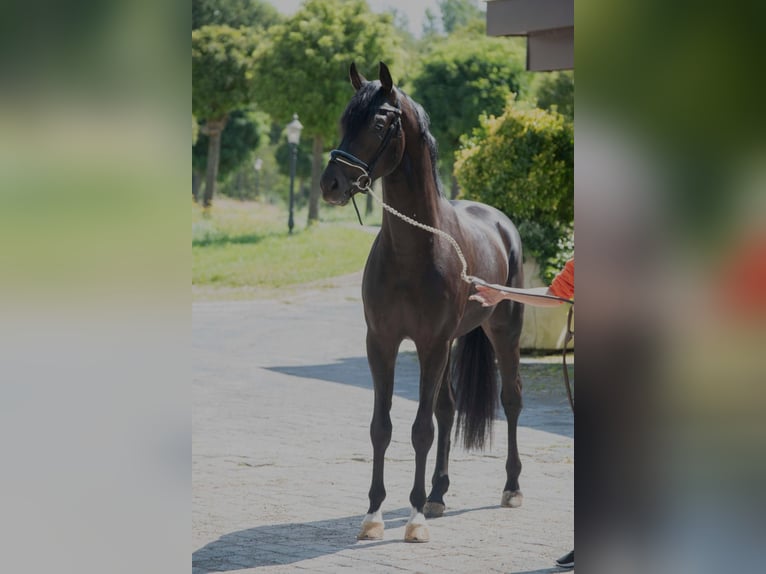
(367, 188)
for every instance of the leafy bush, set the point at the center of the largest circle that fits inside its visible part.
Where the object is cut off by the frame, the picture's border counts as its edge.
(522, 162)
(555, 89)
(463, 77)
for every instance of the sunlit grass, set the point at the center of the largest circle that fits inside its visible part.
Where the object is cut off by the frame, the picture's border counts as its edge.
(244, 248)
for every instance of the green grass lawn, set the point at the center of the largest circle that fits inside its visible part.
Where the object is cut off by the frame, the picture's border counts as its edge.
(242, 248)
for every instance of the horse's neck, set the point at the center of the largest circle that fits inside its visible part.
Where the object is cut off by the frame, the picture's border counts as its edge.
(412, 190)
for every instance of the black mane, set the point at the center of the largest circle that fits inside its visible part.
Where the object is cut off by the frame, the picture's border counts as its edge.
(365, 104)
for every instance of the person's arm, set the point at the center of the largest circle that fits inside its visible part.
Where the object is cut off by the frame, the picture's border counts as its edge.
(561, 290)
(489, 296)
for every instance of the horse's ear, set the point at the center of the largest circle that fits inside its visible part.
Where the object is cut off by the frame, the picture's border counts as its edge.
(385, 78)
(357, 79)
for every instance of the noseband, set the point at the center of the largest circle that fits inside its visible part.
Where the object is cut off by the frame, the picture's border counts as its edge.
(363, 182)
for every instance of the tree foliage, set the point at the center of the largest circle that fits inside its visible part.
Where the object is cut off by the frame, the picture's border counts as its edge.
(305, 68)
(222, 71)
(459, 13)
(522, 162)
(234, 13)
(462, 78)
(245, 130)
(453, 15)
(555, 89)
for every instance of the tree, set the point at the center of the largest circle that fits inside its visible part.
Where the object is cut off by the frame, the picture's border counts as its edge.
(245, 130)
(522, 162)
(408, 43)
(222, 77)
(462, 78)
(459, 13)
(305, 69)
(555, 89)
(454, 14)
(234, 13)
(430, 24)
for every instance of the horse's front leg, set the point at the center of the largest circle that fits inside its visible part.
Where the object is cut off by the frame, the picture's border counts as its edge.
(445, 418)
(433, 362)
(382, 359)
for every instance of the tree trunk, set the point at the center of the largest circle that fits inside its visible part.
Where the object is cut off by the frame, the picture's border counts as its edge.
(303, 191)
(213, 129)
(196, 184)
(316, 174)
(240, 185)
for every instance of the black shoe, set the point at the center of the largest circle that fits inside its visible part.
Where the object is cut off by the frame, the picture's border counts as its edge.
(566, 561)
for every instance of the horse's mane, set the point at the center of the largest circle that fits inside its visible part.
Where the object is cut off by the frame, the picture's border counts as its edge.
(366, 102)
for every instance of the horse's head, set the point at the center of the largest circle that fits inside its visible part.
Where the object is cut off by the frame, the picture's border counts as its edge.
(372, 141)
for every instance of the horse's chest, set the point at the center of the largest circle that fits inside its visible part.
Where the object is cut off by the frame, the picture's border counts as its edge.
(410, 302)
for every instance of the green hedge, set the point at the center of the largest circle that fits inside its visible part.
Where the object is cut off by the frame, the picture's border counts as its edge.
(522, 162)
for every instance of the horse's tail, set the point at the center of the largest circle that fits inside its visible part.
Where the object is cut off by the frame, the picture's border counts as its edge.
(475, 384)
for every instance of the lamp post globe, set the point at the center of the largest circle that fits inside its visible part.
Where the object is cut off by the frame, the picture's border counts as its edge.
(293, 137)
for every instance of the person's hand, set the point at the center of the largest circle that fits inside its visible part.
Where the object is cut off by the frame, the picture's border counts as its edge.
(487, 296)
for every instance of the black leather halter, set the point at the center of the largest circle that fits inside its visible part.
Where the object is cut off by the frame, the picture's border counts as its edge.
(342, 156)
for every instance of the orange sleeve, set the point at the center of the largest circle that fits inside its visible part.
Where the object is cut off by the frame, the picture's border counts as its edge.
(563, 283)
(741, 289)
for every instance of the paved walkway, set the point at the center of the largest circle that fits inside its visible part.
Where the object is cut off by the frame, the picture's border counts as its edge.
(281, 456)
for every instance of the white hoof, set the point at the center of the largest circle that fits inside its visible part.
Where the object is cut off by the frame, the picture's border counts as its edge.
(372, 527)
(416, 533)
(512, 499)
(416, 530)
(433, 509)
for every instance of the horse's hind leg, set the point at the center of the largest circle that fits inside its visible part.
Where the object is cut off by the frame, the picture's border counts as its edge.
(433, 362)
(445, 417)
(505, 340)
(382, 359)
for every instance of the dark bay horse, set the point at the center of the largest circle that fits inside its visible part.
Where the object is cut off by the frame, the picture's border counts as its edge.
(412, 289)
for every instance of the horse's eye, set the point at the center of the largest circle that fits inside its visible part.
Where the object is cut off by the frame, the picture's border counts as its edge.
(379, 125)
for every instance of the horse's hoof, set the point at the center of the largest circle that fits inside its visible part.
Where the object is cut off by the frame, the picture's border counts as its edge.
(416, 533)
(372, 527)
(371, 531)
(433, 509)
(416, 530)
(512, 499)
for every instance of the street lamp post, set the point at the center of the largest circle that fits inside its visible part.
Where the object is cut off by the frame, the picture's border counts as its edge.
(258, 164)
(293, 137)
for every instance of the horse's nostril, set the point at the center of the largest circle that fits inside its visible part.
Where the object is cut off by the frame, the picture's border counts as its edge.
(334, 184)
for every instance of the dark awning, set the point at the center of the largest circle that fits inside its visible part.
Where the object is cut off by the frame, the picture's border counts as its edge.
(547, 24)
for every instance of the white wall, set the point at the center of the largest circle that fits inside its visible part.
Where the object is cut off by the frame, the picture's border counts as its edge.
(544, 327)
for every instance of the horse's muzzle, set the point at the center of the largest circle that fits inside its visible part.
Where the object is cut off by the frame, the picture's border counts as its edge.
(335, 186)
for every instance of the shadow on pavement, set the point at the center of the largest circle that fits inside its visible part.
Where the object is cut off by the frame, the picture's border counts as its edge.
(292, 542)
(545, 404)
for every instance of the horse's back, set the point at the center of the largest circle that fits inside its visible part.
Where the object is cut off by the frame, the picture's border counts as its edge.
(482, 223)
(484, 216)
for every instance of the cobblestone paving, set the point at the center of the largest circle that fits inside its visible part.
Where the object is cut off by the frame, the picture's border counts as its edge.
(281, 458)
